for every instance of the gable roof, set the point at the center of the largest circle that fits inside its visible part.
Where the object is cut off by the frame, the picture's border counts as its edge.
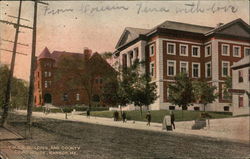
(235, 28)
(184, 27)
(57, 54)
(129, 34)
(227, 25)
(242, 63)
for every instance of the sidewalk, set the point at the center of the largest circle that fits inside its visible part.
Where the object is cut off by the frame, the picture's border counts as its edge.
(233, 129)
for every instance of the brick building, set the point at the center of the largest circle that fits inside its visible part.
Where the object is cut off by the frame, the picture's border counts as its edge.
(58, 92)
(203, 52)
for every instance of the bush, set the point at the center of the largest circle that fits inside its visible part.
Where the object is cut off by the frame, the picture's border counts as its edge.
(171, 107)
(196, 108)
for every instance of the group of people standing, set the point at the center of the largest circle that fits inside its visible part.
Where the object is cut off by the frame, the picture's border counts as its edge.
(123, 115)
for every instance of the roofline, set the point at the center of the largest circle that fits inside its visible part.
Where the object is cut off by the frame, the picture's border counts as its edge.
(240, 66)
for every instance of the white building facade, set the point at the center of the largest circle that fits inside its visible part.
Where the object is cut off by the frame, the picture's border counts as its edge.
(241, 87)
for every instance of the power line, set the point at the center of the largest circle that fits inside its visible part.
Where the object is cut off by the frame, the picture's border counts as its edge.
(20, 18)
(14, 24)
(14, 42)
(12, 51)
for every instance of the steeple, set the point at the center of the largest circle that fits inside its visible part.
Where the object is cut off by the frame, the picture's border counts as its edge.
(45, 54)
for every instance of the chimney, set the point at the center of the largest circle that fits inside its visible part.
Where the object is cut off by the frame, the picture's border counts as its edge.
(87, 53)
(219, 24)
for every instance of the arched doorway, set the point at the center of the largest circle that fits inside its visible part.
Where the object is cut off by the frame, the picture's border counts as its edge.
(47, 98)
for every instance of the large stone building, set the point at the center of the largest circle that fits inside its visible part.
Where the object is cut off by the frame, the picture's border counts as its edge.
(59, 92)
(241, 86)
(203, 52)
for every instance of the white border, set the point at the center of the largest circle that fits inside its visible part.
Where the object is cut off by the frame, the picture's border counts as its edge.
(228, 69)
(186, 62)
(238, 52)
(245, 50)
(210, 69)
(206, 53)
(174, 67)
(199, 51)
(228, 50)
(150, 68)
(174, 53)
(199, 75)
(150, 53)
(185, 50)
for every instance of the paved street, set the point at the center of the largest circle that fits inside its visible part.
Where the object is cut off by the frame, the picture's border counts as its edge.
(56, 139)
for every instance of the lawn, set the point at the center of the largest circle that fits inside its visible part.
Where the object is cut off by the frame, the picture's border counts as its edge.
(157, 115)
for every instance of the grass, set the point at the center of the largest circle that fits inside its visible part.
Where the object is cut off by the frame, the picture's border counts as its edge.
(157, 115)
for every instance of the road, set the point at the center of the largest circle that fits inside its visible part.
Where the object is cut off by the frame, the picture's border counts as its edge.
(58, 139)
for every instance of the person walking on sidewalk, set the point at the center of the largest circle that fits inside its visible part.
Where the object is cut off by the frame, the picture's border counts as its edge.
(88, 113)
(124, 116)
(172, 119)
(148, 117)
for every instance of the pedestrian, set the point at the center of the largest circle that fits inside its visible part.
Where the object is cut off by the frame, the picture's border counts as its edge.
(116, 115)
(172, 119)
(148, 117)
(88, 113)
(124, 116)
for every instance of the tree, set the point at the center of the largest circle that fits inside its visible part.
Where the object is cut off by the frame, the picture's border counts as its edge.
(19, 89)
(181, 92)
(228, 85)
(76, 71)
(141, 91)
(144, 92)
(204, 93)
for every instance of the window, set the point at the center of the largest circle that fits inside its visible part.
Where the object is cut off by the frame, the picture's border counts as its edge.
(208, 50)
(236, 51)
(38, 74)
(247, 51)
(241, 101)
(46, 84)
(195, 51)
(45, 74)
(38, 84)
(77, 96)
(100, 80)
(171, 65)
(65, 97)
(152, 69)
(171, 48)
(49, 74)
(208, 69)
(225, 49)
(196, 70)
(151, 50)
(240, 76)
(136, 53)
(96, 80)
(184, 67)
(225, 68)
(183, 50)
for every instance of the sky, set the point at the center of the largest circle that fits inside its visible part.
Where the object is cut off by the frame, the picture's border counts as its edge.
(72, 25)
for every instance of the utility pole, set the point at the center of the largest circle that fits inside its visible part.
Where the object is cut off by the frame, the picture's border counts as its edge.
(32, 72)
(10, 76)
